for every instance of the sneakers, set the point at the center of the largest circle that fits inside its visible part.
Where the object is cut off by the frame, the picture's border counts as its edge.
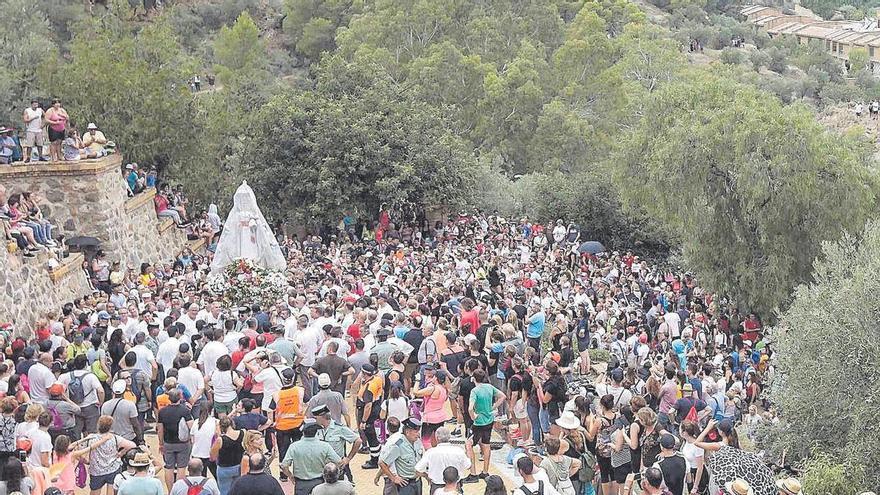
(370, 465)
(483, 476)
(51, 243)
(471, 478)
(28, 254)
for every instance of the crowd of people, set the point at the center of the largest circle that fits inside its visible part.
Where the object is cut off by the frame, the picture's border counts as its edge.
(414, 356)
(51, 135)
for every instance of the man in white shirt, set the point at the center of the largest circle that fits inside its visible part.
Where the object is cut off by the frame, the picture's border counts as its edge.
(192, 378)
(213, 350)
(233, 335)
(168, 350)
(40, 377)
(674, 322)
(444, 455)
(93, 395)
(211, 314)
(33, 121)
(146, 361)
(559, 232)
(189, 321)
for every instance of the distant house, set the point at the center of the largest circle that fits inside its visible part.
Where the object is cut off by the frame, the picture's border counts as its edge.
(838, 37)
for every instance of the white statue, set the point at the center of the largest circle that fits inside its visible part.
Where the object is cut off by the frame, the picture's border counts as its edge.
(246, 234)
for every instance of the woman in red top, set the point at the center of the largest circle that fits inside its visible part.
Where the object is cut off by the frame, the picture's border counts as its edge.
(469, 321)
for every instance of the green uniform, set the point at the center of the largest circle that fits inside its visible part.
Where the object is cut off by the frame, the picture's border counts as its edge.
(338, 436)
(384, 350)
(308, 457)
(403, 456)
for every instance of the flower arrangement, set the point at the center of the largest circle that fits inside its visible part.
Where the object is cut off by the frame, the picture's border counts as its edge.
(243, 282)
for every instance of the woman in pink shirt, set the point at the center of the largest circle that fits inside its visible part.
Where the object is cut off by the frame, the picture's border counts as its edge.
(434, 413)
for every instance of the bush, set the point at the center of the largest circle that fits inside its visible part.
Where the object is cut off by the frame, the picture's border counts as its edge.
(732, 56)
(823, 474)
(837, 92)
(759, 59)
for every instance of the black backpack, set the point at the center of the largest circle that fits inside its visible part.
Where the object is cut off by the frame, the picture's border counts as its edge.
(529, 492)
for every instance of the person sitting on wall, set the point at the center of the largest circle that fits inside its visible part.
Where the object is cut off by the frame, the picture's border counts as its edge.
(94, 140)
(7, 145)
(72, 147)
(164, 210)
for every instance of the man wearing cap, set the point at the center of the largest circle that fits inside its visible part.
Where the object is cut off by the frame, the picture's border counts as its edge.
(33, 121)
(622, 396)
(672, 464)
(287, 348)
(337, 436)
(383, 349)
(141, 483)
(124, 414)
(60, 406)
(94, 140)
(683, 406)
(286, 412)
(7, 145)
(333, 400)
(369, 400)
(403, 456)
(438, 458)
(306, 458)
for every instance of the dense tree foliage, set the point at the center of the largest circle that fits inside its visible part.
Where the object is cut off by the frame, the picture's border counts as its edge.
(752, 187)
(831, 325)
(24, 47)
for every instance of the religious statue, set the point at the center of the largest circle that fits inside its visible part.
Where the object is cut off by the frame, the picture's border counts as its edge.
(246, 234)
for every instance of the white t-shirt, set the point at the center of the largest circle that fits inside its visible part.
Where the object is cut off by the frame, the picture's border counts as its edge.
(145, 358)
(270, 377)
(540, 475)
(203, 437)
(192, 378)
(223, 385)
(210, 354)
(40, 442)
(396, 408)
(35, 125)
(673, 321)
(559, 233)
(691, 453)
(90, 384)
(40, 378)
(231, 340)
(309, 343)
(167, 352)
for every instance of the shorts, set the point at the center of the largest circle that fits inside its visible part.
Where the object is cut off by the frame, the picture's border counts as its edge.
(55, 135)
(482, 434)
(428, 429)
(96, 482)
(34, 138)
(621, 472)
(224, 407)
(177, 455)
(519, 410)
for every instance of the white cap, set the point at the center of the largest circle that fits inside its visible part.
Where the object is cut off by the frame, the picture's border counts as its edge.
(91, 126)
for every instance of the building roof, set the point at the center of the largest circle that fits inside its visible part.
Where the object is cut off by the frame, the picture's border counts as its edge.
(781, 28)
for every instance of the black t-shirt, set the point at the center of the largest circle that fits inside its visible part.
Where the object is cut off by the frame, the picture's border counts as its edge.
(452, 361)
(252, 421)
(414, 338)
(674, 469)
(464, 390)
(170, 416)
(256, 484)
(555, 386)
(521, 312)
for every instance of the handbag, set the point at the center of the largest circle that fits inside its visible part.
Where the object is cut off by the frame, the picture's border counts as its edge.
(81, 475)
(621, 457)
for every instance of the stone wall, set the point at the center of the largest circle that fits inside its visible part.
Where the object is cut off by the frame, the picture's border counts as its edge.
(88, 198)
(28, 289)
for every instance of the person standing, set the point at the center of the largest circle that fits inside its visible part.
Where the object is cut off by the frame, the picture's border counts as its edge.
(672, 463)
(485, 400)
(338, 436)
(332, 485)
(174, 443)
(437, 459)
(33, 122)
(141, 483)
(194, 479)
(305, 460)
(369, 400)
(257, 481)
(124, 414)
(57, 119)
(403, 456)
(287, 412)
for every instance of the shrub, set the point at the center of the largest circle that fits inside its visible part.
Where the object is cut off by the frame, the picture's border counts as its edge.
(732, 56)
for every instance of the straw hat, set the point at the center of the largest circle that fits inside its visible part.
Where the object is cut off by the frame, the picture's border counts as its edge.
(791, 486)
(738, 487)
(141, 459)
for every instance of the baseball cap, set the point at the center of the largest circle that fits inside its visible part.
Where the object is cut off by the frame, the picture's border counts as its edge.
(617, 374)
(667, 441)
(369, 369)
(118, 386)
(323, 380)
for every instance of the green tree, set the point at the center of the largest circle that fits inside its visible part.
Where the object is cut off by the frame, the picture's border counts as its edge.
(617, 14)
(25, 45)
(311, 25)
(858, 60)
(239, 53)
(135, 90)
(825, 354)
(752, 187)
(322, 155)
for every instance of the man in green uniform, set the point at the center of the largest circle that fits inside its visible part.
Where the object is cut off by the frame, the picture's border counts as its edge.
(398, 463)
(311, 455)
(337, 436)
(383, 349)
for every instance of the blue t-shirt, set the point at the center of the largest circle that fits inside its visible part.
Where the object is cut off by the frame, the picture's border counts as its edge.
(141, 485)
(536, 325)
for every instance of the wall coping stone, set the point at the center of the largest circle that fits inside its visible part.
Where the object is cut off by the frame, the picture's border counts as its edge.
(196, 245)
(138, 200)
(71, 264)
(91, 166)
(165, 225)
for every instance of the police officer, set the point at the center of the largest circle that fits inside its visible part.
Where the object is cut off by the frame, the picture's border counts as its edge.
(306, 458)
(383, 349)
(337, 436)
(403, 456)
